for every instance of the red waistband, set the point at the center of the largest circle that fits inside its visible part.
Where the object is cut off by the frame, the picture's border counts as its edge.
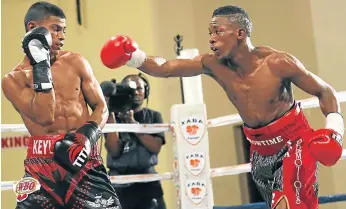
(42, 146)
(269, 139)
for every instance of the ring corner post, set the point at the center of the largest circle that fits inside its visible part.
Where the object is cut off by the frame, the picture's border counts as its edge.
(192, 173)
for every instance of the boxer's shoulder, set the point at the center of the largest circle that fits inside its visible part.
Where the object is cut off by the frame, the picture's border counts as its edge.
(17, 77)
(74, 59)
(209, 60)
(284, 64)
(273, 56)
(275, 60)
(19, 73)
(76, 62)
(67, 56)
(268, 54)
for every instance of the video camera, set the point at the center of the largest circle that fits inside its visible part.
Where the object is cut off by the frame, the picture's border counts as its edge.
(121, 96)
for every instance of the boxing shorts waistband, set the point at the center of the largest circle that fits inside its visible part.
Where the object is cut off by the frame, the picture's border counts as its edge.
(269, 139)
(43, 146)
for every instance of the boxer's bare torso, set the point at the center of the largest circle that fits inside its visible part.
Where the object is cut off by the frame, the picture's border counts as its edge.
(261, 94)
(69, 107)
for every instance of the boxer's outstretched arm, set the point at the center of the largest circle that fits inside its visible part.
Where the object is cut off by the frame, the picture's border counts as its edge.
(92, 91)
(38, 106)
(122, 50)
(159, 67)
(291, 68)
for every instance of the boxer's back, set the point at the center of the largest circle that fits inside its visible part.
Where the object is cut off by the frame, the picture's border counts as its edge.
(70, 110)
(259, 95)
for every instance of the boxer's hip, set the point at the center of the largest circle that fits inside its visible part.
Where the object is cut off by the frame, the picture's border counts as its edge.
(270, 139)
(40, 162)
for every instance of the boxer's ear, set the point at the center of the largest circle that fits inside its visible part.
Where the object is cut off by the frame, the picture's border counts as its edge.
(31, 25)
(241, 33)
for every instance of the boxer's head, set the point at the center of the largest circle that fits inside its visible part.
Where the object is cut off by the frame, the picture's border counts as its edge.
(230, 27)
(50, 16)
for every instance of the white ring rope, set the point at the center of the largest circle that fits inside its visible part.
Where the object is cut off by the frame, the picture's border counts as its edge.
(136, 128)
(164, 127)
(125, 179)
(155, 128)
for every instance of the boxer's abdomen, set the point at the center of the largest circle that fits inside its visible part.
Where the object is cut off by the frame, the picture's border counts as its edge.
(70, 110)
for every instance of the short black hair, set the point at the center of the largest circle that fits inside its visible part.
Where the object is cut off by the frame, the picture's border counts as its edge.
(235, 14)
(41, 10)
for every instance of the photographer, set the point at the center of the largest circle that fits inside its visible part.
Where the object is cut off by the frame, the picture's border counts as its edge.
(133, 153)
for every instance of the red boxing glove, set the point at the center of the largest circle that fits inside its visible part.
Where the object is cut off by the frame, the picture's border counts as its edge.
(121, 50)
(325, 145)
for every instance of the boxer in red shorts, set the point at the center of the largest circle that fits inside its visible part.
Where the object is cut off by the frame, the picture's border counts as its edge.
(52, 89)
(281, 165)
(258, 81)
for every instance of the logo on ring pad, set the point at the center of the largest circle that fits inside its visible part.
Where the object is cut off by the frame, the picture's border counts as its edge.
(193, 129)
(196, 190)
(195, 162)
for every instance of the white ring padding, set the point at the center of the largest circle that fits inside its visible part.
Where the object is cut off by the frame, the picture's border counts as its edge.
(156, 128)
(125, 179)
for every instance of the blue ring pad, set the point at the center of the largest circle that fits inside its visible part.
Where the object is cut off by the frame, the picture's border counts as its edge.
(263, 205)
